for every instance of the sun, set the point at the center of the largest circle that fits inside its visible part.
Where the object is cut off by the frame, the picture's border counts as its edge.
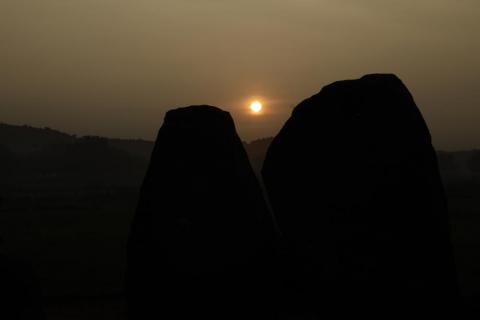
(256, 106)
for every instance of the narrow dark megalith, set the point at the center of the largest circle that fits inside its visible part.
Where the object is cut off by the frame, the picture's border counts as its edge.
(202, 240)
(353, 181)
(20, 292)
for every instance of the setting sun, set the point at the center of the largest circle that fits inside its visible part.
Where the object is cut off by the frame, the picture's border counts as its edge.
(256, 106)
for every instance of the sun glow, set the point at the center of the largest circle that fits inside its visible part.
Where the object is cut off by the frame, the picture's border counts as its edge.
(256, 106)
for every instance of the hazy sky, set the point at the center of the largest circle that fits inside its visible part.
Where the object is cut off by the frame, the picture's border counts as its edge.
(113, 67)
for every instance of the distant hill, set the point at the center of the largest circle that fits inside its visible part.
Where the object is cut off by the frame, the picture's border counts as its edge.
(26, 148)
(257, 150)
(26, 139)
(140, 148)
(32, 158)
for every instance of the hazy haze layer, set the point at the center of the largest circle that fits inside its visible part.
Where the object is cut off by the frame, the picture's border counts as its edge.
(113, 67)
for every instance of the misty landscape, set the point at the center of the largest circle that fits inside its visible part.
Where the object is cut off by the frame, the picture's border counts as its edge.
(67, 203)
(234, 160)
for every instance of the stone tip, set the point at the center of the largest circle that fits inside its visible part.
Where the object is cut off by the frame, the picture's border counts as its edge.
(199, 116)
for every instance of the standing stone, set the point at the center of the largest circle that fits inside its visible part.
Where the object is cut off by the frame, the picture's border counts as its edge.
(202, 240)
(354, 183)
(20, 292)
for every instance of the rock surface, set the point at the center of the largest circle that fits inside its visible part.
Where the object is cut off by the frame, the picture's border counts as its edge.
(20, 292)
(202, 240)
(353, 181)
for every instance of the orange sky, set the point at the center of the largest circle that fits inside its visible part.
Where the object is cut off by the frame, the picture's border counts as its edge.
(113, 67)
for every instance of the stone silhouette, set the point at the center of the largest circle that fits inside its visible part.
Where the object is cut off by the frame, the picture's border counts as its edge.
(20, 293)
(353, 181)
(202, 243)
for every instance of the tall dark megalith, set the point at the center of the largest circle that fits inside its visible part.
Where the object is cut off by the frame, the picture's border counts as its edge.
(353, 181)
(20, 292)
(202, 240)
